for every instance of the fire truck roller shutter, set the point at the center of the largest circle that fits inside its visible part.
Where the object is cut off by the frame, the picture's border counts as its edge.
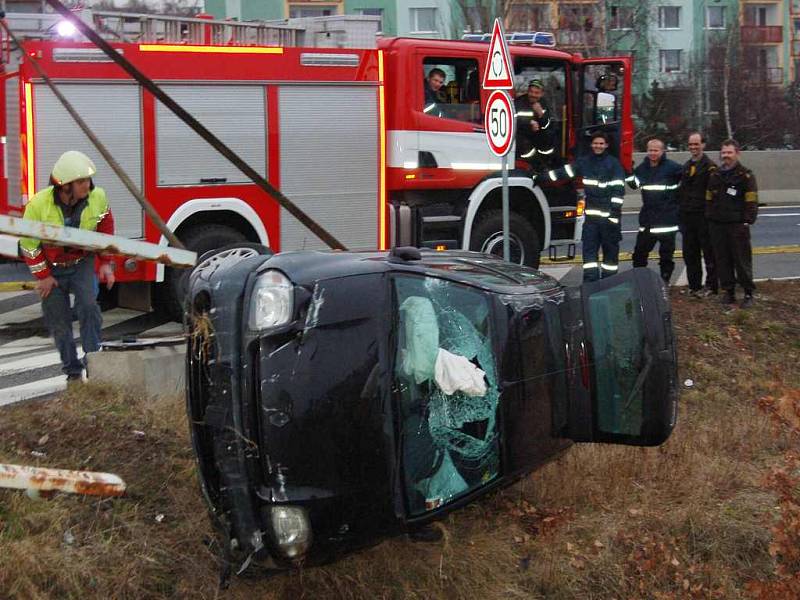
(113, 112)
(329, 163)
(13, 149)
(234, 113)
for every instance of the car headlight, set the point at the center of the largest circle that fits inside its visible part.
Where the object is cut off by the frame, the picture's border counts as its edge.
(272, 301)
(292, 530)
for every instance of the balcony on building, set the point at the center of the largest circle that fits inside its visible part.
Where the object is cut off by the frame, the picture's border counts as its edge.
(761, 24)
(580, 26)
(762, 34)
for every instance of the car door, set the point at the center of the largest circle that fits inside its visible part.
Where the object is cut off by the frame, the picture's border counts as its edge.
(623, 382)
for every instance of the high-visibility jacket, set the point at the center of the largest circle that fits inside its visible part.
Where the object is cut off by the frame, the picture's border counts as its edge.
(94, 216)
(732, 196)
(603, 184)
(659, 185)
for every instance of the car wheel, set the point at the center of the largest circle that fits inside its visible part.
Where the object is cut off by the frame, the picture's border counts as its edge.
(201, 239)
(487, 237)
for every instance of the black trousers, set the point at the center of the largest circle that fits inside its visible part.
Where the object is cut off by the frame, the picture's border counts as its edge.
(734, 255)
(646, 241)
(697, 246)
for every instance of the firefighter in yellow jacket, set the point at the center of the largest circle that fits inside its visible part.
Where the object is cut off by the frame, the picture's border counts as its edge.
(71, 200)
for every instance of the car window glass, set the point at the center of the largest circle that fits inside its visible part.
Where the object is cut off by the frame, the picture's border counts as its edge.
(459, 96)
(447, 390)
(618, 347)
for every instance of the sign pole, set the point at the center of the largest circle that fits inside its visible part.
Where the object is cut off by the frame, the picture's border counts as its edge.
(506, 242)
(499, 119)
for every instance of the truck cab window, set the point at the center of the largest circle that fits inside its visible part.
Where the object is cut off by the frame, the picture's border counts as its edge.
(603, 87)
(452, 89)
(446, 389)
(540, 104)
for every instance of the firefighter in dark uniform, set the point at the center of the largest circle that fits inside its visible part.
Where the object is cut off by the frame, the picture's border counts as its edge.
(693, 224)
(658, 178)
(535, 128)
(434, 92)
(604, 188)
(731, 207)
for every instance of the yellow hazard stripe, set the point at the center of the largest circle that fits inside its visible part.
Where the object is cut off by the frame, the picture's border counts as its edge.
(17, 286)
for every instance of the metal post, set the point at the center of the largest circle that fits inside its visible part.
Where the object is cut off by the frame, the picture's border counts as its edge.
(506, 243)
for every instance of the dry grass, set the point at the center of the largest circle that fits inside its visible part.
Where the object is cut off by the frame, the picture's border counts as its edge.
(713, 513)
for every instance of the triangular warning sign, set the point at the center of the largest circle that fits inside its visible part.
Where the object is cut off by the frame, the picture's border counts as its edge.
(497, 75)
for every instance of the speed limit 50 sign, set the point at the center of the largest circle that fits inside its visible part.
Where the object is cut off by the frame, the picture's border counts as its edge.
(499, 122)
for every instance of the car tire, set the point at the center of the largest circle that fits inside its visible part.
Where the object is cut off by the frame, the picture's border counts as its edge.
(487, 237)
(200, 239)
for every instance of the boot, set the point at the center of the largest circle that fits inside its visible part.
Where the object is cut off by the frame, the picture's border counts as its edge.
(727, 297)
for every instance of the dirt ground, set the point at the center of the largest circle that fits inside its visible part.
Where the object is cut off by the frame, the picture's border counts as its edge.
(713, 513)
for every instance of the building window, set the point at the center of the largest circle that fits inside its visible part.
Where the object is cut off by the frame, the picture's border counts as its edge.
(621, 17)
(300, 10)
(529, 17)
(372, 12)
(423, 20)
(670, 61)
(669, 17)
(760, 16)
(715, 17)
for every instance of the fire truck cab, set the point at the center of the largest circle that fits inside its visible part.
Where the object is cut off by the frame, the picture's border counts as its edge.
(444, 183)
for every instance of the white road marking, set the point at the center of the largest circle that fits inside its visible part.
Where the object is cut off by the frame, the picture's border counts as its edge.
(682, 279)
(34, 389)
(36, 361)
(781, 215)
(21, 315)
(20, 346)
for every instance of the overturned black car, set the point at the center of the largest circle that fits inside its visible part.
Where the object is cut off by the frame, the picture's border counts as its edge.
(339, 398)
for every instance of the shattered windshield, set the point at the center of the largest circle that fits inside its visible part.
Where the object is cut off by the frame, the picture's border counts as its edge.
(447, 390)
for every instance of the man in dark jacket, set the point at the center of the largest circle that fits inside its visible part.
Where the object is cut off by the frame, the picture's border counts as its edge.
(604, 188)
(693, 224)
(534, 127)
(433, 90)
(658, 178)
(731, 207)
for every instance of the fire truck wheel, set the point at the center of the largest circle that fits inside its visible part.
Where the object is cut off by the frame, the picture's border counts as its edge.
(200, 239)
(487, 237)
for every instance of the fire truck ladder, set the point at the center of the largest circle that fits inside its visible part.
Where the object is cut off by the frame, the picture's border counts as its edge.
(145, 28)
(153, 29)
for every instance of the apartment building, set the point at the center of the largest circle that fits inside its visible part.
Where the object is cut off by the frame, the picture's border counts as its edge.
(411, 18)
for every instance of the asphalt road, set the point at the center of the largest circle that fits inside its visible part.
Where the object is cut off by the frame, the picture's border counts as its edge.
(775, 226)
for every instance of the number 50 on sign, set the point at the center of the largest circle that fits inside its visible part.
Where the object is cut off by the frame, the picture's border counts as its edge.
(499, 122)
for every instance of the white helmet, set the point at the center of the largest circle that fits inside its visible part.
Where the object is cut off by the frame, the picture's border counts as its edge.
(71, 166)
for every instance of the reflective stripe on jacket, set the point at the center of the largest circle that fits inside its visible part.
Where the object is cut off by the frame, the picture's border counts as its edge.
(95, 216)
(659, 185)
(603, 183)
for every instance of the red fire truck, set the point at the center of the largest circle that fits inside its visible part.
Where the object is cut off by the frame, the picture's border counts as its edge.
(341, 131)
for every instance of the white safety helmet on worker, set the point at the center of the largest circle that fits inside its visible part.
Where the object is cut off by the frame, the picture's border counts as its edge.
(71, 166)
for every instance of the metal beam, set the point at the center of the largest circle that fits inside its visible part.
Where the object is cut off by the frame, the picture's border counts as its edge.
(41, 479)
(97, 242)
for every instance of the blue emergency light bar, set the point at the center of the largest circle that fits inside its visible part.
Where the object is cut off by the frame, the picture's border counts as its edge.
(530, 38)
